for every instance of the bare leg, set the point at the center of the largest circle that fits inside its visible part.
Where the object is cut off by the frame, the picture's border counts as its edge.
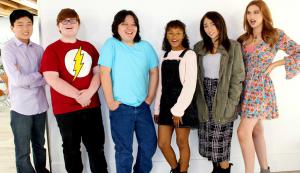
(164, 142)
(245, 131)
(182, 139)
(260, 145)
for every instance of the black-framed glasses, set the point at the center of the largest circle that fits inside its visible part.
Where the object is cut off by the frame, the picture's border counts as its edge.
(69, 21)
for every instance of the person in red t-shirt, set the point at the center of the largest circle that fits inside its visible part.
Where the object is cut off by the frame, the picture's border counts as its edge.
(70, 67)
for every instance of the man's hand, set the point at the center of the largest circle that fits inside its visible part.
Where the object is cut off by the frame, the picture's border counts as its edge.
(84, 98)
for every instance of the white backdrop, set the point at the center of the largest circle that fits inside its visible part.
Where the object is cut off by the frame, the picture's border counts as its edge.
(282, 135)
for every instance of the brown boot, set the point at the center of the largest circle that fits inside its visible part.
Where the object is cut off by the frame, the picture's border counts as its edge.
(265, 170)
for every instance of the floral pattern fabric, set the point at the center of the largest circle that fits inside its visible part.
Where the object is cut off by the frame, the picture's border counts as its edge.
(258, 96)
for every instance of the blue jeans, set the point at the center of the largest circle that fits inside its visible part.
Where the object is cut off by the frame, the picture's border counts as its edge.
(26, 129)
(124, 121)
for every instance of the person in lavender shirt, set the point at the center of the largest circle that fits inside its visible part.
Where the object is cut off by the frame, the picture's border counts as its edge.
(21, 60)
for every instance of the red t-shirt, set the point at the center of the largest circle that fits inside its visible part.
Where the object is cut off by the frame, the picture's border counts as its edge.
(74, 62)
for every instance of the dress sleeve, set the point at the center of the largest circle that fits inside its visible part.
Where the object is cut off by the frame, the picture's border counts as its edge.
(292, 61)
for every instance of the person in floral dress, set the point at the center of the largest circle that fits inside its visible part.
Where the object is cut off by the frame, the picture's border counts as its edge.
(260, 44)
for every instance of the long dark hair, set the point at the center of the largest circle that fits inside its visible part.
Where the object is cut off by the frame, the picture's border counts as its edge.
(220, 25)
(175, 24)
(119, 18)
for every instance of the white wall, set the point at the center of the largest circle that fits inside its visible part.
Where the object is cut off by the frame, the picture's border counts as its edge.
(6, 33)
(282, 135)
(5, 30)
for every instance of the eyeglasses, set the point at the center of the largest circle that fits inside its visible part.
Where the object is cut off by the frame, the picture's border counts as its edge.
(69, 21)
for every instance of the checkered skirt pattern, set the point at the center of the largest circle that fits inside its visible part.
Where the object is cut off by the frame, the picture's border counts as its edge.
(214, 138)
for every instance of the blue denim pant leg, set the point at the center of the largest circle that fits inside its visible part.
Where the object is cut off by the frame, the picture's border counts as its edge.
(122, 129)
(124, 122)
(146, 138)
(38, 142)
(26, 129)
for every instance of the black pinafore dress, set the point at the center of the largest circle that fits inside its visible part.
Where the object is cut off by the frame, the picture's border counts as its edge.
(171, 89)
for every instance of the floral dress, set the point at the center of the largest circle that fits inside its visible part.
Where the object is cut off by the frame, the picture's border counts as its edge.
(258, 96)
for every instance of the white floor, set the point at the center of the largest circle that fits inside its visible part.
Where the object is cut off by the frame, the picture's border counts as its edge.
(7, 158)
(7, 149)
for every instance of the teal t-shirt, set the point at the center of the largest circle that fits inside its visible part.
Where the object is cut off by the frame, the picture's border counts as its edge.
(130, 67)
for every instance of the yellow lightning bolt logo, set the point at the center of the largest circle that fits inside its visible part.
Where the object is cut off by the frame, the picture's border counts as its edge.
(78, 63)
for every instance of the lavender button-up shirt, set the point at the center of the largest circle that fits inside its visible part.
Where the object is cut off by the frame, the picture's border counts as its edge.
(26, 85)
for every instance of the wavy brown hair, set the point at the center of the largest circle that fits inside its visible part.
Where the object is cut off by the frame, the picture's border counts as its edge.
(269, 33)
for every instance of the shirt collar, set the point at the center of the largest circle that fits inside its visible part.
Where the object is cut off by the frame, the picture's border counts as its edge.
(20, 43)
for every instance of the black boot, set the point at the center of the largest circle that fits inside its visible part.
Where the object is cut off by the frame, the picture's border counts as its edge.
(227, 170)
(176, 170)
(215, 165)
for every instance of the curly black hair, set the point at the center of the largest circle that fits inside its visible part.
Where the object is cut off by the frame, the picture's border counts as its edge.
(175, 24)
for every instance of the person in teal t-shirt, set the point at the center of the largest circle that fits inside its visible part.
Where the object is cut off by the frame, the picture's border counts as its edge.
(129, 77)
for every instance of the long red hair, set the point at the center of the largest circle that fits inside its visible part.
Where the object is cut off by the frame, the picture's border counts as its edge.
(269, 33)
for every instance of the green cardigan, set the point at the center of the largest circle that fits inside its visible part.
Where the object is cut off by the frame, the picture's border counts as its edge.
(231, 76)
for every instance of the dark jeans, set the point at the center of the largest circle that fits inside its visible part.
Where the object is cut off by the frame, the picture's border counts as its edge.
(85, 125)
(26, 129)
(124, 122)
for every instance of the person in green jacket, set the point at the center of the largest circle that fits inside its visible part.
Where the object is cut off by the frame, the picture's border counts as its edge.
(220, 76)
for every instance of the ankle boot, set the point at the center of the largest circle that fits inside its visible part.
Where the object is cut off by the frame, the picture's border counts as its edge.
(215, 167)
(265, 170)
(176, 170)
(227, 170)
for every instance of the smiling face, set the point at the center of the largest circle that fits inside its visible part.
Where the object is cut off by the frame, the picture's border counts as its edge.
(254, 16)
(68, 27)
(23, 29)
(175, 37)
(211, 29)
(127, 30)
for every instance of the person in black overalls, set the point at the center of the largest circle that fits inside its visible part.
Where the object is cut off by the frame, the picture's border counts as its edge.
(175, 106)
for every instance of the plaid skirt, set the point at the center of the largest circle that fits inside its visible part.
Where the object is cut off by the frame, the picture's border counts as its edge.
(214, 138)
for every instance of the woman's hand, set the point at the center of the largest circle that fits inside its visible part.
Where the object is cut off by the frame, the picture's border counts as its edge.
(113, 105)
(273, 65)
(177, 120)
(156, 118)
(269, 69)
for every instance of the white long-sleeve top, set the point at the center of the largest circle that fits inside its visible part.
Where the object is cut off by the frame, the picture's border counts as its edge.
(188, 79)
